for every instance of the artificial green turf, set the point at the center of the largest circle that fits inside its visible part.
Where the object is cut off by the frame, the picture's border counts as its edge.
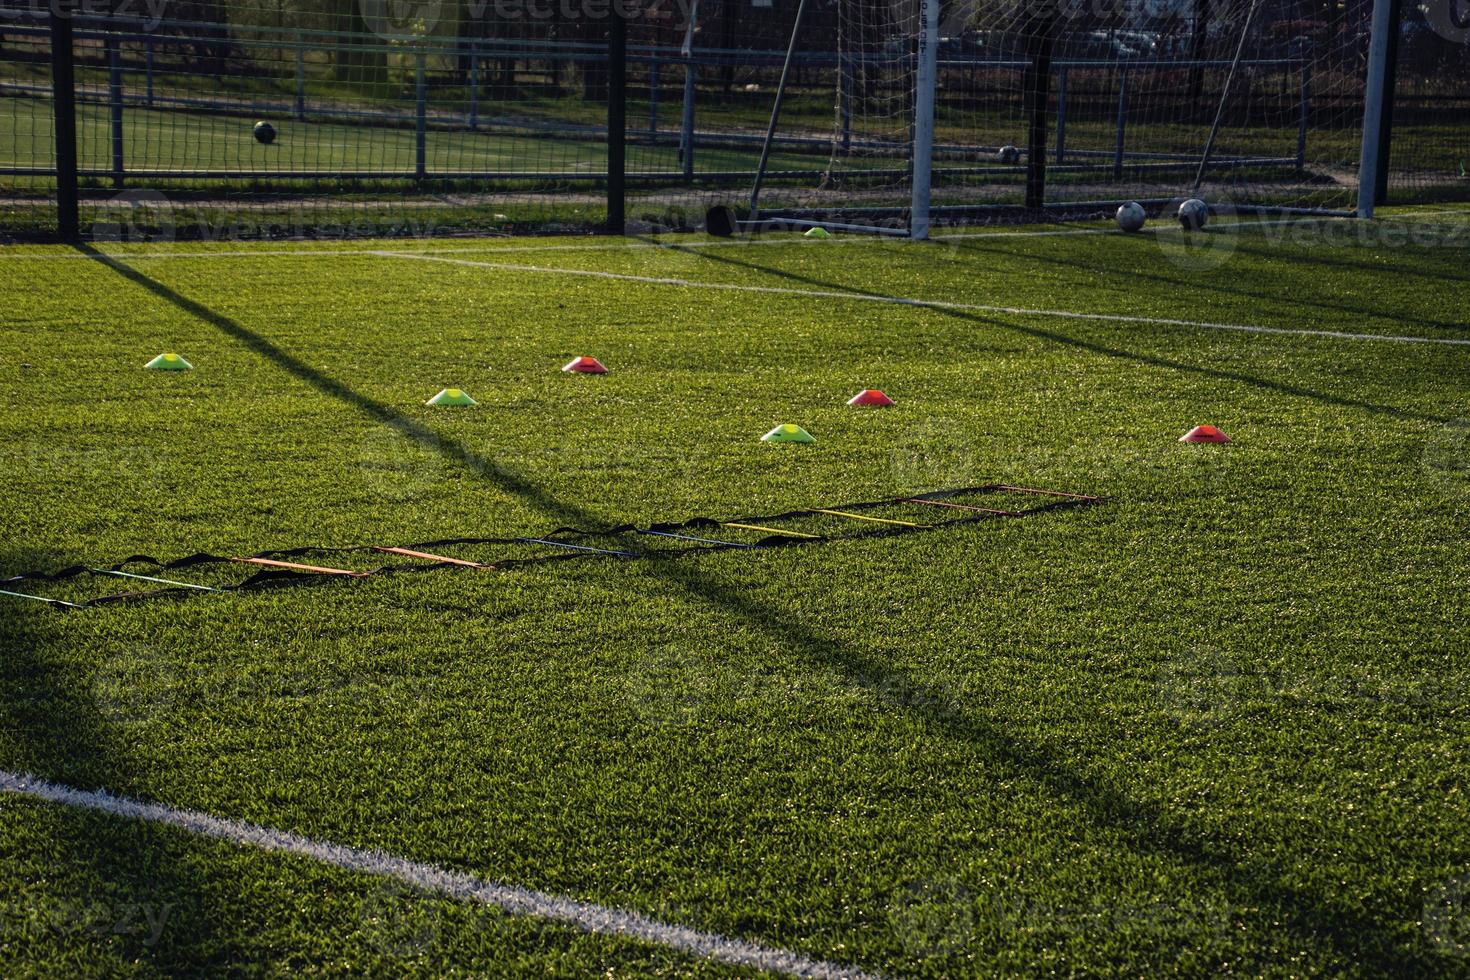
(1216, 725)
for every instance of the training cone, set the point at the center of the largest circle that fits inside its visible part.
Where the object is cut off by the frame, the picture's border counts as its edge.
(788, 433)
(169, 362)
(451, 396)
(585, 365)
(817, 233)
(870, 396)
(1204, 433)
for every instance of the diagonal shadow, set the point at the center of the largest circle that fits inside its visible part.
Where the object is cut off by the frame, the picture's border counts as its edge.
(1199, 285)
(56, 720)
(405, 426)
(1089, 346)
(1312, 918)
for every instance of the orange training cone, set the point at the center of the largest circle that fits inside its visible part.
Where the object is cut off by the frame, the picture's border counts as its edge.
(1204, 433)
(586, 365)
(870, 396)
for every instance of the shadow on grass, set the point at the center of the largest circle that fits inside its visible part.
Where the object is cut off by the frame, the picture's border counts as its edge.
(1197, 284)
(991, 320)
(95, 888)
(1313, 919)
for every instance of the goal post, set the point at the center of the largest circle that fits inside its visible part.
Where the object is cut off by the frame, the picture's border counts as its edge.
(926, 84)
(1375, 106)
(1001, 111)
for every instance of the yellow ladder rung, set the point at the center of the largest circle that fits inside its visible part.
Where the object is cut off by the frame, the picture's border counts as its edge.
(875, 520)
(772, 530)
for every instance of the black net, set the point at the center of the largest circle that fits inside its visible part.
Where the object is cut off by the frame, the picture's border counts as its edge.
(390, 117)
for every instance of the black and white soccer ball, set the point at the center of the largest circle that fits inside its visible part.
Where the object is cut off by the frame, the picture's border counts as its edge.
(1194, 214)
(1008, 155)
(265, 133)
(1131, 216)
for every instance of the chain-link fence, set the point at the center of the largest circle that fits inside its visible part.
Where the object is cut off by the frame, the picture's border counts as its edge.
(332, 118)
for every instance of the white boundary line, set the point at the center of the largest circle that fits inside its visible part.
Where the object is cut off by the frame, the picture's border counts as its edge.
(586, 916)
(336, 252)
(631, 246)
(922, 303)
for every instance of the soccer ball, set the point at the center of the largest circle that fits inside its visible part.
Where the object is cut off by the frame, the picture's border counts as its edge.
(1130, 216)
(265, 133)
(1193, 214)
(1008, 155)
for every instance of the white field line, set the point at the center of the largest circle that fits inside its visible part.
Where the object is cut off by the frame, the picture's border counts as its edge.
(633, 246)
(922, 303)
(586, 916)
(336, 252)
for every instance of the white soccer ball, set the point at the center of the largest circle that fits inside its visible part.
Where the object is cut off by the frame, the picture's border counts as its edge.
(1008, 155)
(1193, 214)
(1131, 216)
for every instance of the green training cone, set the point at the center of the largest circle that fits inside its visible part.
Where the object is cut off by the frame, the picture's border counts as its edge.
(169, 362)
(788, 433)
(451, 396)
(817, 232)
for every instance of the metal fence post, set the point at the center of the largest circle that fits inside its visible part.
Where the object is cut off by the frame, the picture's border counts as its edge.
(844, 97)
(1304, 115)
(653, 98)
(300, 77)
(474, 89)
(1122, 124)
(63, 93)
(115, 105)
(148, 68)
(1061, 115)
(421, 119)
(686, 124)
(617, 119)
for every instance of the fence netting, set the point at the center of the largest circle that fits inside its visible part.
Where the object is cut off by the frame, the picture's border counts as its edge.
(335, 118)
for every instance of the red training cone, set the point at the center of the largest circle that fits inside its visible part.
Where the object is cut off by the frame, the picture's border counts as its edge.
(586, 365)
(1204, 433)
(870, 396)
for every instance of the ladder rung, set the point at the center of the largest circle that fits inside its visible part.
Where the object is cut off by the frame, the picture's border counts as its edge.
(969, 507)
(579, 547)
(152, 578)
(426, 556)
(690, 537)
(772, 530)
(865, 517)
(40, 598)
(293, 566)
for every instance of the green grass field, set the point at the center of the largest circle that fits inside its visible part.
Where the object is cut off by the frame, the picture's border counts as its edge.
(1214, 725)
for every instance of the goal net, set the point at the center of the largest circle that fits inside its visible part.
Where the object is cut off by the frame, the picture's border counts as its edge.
(1072, 107)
